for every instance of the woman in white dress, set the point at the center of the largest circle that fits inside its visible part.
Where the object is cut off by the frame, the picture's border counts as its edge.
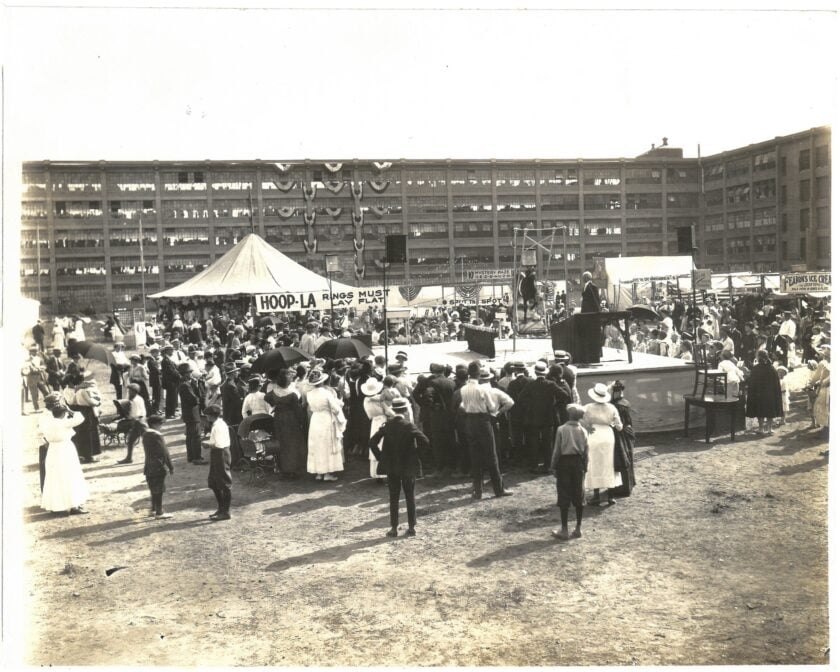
(65, 488)
(326, 429)
(820, 379)
(601, 417)
(378, 411)
(58, 336)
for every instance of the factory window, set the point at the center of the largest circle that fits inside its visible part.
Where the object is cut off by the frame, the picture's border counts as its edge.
(642, 175)
(783, 194)
(737, 167)
(602, 228)
(185, 209)
(714, 197)
(604, 177)
(78, 209)
(185, 236)
(643, 226)
(559, 176)
(738, 194)
(72, 181)
(647, 201)
(682, 200)
(232, 181)
(823, 218)
(764, 217)
(515, 177)
(714, 223)
(802, 248)
(683, 174)
(713, 172)
(30, 238)
(514, 205)
(551, 202)
(805, 159)
(183, 181)
(425, 180)
(34, 209)
(714, 247)
(821, 155)
(231, 208)
(425, 205)
(429, 230)
(185, 264)
(823, 247)
(738, 220)
(804, 190)
(784, 250)
(739, 247)
(132, 181)
(80, 267)
(602, 201)
(783, 165)
(472, 204)
(823, 187)
(122, 236)
(68, 238)
(804, 219)
(764, 161)
(34, 183)
(784, 222)
(764, 189)
(29, 269)
(132, 266)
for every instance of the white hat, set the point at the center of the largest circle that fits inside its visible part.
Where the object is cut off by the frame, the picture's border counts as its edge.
(371, 386)
(599, 393)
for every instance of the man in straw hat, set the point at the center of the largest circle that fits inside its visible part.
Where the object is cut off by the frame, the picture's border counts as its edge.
(399, 461)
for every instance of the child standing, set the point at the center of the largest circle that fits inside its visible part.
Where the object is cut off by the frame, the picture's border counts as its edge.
(156, 465)
(219, 480)
(782, 371)
(569, 463)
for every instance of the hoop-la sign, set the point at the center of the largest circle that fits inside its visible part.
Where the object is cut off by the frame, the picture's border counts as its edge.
(805, 283)
(286, 302)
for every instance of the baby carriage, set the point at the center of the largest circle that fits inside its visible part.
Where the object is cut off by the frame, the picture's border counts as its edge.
(114, 429)
(258, 446)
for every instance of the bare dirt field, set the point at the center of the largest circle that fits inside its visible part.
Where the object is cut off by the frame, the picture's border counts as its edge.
(719, 557)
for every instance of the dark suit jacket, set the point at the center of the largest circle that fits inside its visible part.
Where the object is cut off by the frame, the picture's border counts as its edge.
(590, 301)
(169, 372)
(190, 401)
(231, 403)
(539, 402)
(154, 371)
(398, 456)
(514, 390)
(157, 461)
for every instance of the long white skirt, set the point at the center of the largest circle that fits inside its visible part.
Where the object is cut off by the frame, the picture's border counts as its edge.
(324, 445)
(601, 473)
(64, 486)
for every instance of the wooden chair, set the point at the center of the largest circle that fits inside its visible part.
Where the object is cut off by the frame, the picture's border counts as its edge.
(702, 370)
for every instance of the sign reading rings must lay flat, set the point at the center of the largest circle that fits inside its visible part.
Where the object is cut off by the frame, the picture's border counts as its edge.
(805, 283)
(286, 302)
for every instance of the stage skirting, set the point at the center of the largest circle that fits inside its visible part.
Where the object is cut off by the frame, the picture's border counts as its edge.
(654, 385)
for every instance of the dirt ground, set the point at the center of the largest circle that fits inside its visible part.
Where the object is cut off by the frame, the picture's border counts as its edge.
(719, 557)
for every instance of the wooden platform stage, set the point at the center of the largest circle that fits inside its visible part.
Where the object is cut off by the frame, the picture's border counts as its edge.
(654, 385)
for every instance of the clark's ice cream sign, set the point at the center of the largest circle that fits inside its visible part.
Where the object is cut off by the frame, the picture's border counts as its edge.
(805, 283)
(294, 302)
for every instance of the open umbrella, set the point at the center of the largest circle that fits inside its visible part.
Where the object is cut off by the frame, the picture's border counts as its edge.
(91, 350)
(278, 358)
(644, 313)
(338, 348)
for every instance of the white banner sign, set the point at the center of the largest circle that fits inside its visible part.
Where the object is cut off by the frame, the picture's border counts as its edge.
(296, 302)
(806, 283)
(489, 274)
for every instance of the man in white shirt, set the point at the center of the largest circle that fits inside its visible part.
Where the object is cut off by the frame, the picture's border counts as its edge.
(219, 479)
(137, 414)
(479, 405)
(307, 341)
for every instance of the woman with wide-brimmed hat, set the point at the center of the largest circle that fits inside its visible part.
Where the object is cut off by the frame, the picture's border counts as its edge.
(378, 411)
(326, 429)
(601, 417)
(65, 488)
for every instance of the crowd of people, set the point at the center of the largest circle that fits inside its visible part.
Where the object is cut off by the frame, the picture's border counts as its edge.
(452, 422)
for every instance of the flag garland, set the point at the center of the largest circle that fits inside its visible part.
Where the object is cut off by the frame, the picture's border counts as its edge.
(379, 185)
(309, 218)
(285, 213)
(332, 167)
(378, 211)
(308, 192)
(382, 165)
(283, 167)
(334, 212)
(357, 195)
(335, 186)
(311, 247)
(285, 185)
(409, 293)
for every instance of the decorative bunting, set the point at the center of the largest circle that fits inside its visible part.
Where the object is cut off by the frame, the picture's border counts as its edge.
(382, 165)
(466, 292)
(359, 245)
(311, 247)
(378, 211)
(283, 167)
(285, 213)
(359, 219)
(308, 192)
(334, 212)
(360, 272)
(335, 186)
(379, 185)
(410, 293)
(285, 185)
(333, 167)
(309, 218)
(357, 195)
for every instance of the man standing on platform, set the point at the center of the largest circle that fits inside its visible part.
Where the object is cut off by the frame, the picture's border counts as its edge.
(588, 334)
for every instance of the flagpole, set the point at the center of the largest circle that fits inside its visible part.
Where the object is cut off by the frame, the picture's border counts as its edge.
(142, 269)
